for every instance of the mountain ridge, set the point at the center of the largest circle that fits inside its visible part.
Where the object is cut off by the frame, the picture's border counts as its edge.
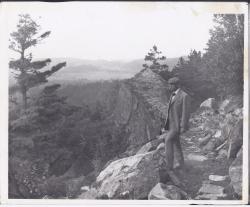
(95, 70)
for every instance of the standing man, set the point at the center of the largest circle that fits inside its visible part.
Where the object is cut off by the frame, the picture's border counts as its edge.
(176, 123)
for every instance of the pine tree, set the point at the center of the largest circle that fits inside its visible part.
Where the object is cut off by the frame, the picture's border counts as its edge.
(27, 72)
(188, 70)
(191, 75)
(155, 61)
(224, 57)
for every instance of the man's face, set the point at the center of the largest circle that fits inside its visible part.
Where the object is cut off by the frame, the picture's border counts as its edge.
(173, 87)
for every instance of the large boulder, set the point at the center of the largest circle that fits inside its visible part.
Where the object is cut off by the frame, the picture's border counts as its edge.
(196, 157)
(224, 104)
(210, 191)
(217, 178)
(210, 103)
(140, 108)
(235, 173)
(238, 112)
(166, 192)
(211, 124)
(136, 175)
(204, 140)
(223, 129)
(150, 146)
(230, 104)
(211, 145)
(90, 194)
(235, 139)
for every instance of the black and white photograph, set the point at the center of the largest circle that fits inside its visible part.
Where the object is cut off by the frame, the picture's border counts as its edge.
(117, 101)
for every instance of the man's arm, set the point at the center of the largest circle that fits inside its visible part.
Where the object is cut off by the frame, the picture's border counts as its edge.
(186, 104)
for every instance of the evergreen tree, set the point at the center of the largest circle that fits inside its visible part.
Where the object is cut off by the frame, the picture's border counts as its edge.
(219, 72)
(41, 143)
(27, 72)
(188, 70)
(190, 73)
(156, 62)
(223, 60)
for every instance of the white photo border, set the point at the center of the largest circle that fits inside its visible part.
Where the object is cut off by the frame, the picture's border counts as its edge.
(213, 7)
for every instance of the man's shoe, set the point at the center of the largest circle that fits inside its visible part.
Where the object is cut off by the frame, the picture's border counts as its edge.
(182, 168)
(178, 167)
(174, 178)
(163, 176)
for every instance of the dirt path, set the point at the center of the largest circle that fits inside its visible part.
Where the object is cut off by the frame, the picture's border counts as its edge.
(200, 166)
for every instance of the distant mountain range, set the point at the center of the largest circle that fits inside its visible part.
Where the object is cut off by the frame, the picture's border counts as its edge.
(92, 70)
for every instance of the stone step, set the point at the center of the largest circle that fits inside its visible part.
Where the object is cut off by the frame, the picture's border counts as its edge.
(217, 178)
(210, 197)
(208, 188)
(196, 157)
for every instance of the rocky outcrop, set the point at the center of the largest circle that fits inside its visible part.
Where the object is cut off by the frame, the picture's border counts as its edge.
(196, 157)
(167, 192)
(223, 132)
(140, 110)
(141, 107)
(139, 175)
(211, 192)
(217, 178)
(221, 136)
(230, 104)
(135, 175)
(204, 140)
(89, 194)
(210, 103)
(150, 146)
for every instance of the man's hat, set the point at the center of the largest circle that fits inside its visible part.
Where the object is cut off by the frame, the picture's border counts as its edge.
(174, 80)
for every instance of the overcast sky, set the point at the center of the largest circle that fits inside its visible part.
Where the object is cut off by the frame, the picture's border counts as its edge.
(115, 30)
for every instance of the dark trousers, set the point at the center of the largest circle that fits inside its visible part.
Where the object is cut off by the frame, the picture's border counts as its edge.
(173, 145)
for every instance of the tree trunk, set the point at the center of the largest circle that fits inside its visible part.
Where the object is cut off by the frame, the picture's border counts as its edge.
(24, 97)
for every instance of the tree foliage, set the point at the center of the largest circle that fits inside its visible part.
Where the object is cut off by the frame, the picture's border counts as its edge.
(223, 60)
(192, 80)
(219, 71)
(27, 72)
(155, 61)
(53, 141)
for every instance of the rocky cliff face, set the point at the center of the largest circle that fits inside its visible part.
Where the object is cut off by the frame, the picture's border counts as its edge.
(141, 105)
(210, 174)
(215, 135)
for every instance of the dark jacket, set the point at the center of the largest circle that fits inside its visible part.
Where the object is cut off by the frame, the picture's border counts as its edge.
(178, 112)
